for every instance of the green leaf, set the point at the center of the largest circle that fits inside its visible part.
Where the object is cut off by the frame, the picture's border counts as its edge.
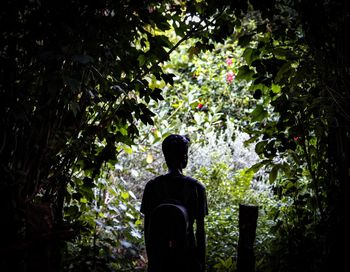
(258, 114)
(284, 69)
(273, 173)
(286, 169)
(73, 211)
(282, 53)
(142, 59)
(168, 78)
(127, 149)
(256, 167)
(156, 94)
(163, 25)
(250, 54)
(276, 88)
(244, 73)
(243, 41)
(125, 195)
(164, 41)
(251, 140)
(259, 147)
(83, 200)
(295, 156)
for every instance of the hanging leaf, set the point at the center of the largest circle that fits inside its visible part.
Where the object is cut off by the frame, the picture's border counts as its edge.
(273, 173)
(259, 147)
(258, 114)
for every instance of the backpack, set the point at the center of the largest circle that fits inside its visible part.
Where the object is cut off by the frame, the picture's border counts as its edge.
(169, 229)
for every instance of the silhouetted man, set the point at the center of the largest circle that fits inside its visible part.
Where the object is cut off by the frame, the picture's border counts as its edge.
(188, 191)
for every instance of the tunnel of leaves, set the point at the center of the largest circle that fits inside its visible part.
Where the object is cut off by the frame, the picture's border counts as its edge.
(90, 88)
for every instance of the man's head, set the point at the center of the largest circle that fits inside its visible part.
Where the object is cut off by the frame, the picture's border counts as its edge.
(175, 150)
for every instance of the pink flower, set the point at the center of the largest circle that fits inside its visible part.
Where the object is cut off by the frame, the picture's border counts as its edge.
(230, 76)
(229, 61)
(295, 138)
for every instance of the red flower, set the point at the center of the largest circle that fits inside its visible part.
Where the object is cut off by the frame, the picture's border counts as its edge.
(230, 76)
(229, 61)
(200, 106)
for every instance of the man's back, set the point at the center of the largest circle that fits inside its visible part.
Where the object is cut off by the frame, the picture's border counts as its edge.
(177, 189)
(186, 190)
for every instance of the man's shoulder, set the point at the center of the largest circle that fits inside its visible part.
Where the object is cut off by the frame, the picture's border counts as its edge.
(195, 182)
(156, 179)
(187, 179)
(152, 182)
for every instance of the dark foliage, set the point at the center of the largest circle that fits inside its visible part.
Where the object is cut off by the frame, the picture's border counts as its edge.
(73, 76)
